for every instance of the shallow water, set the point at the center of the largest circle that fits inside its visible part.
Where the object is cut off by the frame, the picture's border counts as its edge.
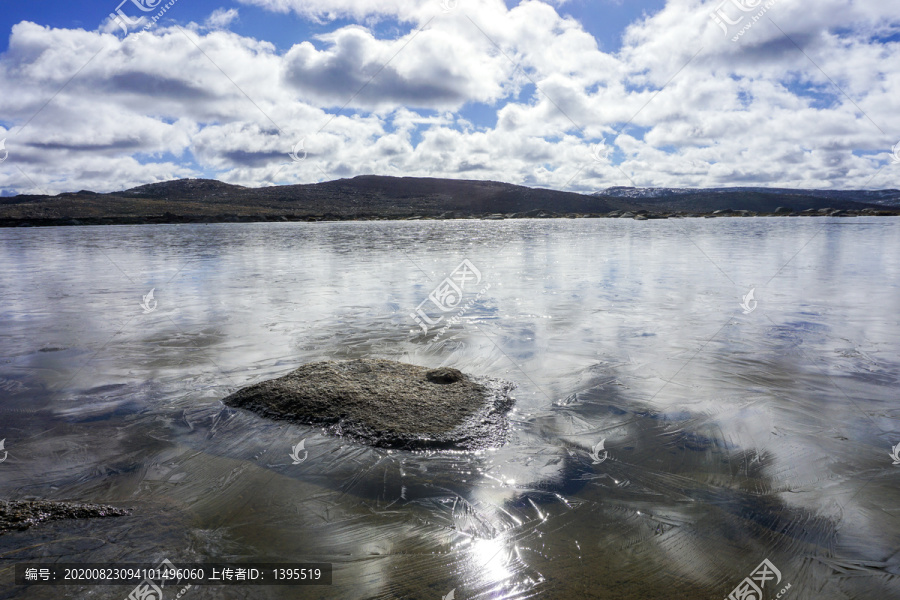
(730, 437)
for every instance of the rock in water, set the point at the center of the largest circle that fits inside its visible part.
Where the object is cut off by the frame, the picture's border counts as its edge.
(22, 514)
(388, 404)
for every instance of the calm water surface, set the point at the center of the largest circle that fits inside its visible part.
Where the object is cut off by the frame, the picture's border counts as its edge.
(729, 435)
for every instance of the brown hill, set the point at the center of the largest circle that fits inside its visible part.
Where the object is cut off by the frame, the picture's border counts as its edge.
(373, 196)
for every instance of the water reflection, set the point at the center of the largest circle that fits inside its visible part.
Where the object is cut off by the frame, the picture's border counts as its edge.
(731, 437)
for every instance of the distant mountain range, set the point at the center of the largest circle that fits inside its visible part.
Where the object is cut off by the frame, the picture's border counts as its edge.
(881, 197)
(381, 197)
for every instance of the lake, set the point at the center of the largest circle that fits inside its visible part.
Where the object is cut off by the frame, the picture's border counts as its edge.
(672, 432)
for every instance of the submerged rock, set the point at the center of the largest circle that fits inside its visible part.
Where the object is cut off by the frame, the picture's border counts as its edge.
(22, 514)
(388, 404)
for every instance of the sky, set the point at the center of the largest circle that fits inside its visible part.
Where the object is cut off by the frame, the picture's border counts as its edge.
(570, 95)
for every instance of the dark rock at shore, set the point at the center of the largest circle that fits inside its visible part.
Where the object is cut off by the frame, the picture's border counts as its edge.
(444, 375)
(22, 514)
(388, 404)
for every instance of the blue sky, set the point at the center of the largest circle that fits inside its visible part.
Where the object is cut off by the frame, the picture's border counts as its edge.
(571, 95)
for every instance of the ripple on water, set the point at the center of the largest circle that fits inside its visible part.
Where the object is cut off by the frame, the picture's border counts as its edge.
(726, 438)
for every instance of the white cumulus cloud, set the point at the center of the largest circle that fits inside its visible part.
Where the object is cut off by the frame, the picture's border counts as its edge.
(480, 91)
